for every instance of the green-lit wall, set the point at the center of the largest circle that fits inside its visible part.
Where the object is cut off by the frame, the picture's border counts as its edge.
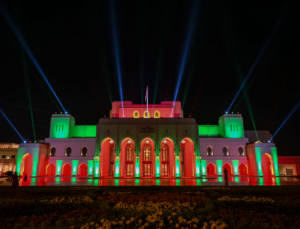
(60, 126)
(231, 126)
(63, 126)
(208, 130)
(83, 131)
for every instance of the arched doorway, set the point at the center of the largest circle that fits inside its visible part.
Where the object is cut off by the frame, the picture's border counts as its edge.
(66, 170)
(26, 165)
(50, 170)
(127, 158)
(211, 169)
(228, 167)
(167, 158)
(107, 158)
(82, 170)
(187, 158)
(267, 165)
(147, 158)
(243, 170)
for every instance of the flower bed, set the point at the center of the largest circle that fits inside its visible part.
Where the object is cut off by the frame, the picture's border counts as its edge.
(207, 209)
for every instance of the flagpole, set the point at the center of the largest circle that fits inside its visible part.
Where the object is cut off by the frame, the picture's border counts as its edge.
(147, 101)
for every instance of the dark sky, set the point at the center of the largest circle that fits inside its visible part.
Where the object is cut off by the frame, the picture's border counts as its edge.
(74, 45)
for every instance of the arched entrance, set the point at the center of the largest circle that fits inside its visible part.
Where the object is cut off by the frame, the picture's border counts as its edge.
(267, 165)
(107, 158)
(26, 165)
(228, 167)
(187, 158)
(82, 170)
(66, 170)
(50, 170)
(167, 158)
(147, 158)
(211, 169)
(127, 158)
(243, 170)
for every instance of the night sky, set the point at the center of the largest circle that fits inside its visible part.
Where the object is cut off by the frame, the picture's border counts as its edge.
(74, 46)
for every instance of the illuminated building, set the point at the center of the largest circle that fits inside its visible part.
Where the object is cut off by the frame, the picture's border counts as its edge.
(8, 153)
(148, 142)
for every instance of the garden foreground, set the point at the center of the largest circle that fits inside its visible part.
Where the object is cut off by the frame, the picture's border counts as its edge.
(150, 207)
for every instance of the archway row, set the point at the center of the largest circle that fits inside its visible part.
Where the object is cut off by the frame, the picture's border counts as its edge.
(147, 164)
(66, 170)
(211, 169)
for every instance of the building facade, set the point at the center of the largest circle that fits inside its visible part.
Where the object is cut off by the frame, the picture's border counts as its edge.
(8, 155)
(147, 141)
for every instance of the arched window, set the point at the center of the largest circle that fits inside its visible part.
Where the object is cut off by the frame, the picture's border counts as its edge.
(129, 160)
(84, 151)
(68, 152)
(156, 114)
(210, 151)
(146, 114)
(241, 151)
(52, 152)
(225, 151)
(136, 114)
(129, 153)
(147, 152)
(164, 160)
(164, 153)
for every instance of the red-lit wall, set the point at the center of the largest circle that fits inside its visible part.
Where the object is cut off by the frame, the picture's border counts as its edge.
(165, 109)
(285, 160)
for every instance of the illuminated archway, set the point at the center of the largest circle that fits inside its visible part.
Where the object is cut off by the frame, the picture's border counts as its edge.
(267, 165)
(156, 114)
(107, 157)
(146, 114)
(187, 158)
(167, 158)
(82, 170)
(136, 114)
(127, 158)
(66, 170)
(50, 170)
(243, 170)
(147, 158)
(26, 165)
(228, 167)
(211, 169)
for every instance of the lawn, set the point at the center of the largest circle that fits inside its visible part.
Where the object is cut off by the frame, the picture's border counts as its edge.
(150, 207)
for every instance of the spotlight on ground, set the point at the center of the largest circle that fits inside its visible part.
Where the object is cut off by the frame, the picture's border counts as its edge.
(257, 59)
(116, 50)
(190, 30)
(12, 126)
(28, 51)
(294, 109)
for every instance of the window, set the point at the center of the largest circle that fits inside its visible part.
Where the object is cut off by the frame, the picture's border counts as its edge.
(164, 160)
(84, 151)
(13, 156)
(3, 156)
(164, 153)
(241, 151)
(225, 151)
(147, 152)
(68, 152)
(129, 153)
(156, 114)
(210, 151)
(146, 114)
(52, 152)
(136, 114)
